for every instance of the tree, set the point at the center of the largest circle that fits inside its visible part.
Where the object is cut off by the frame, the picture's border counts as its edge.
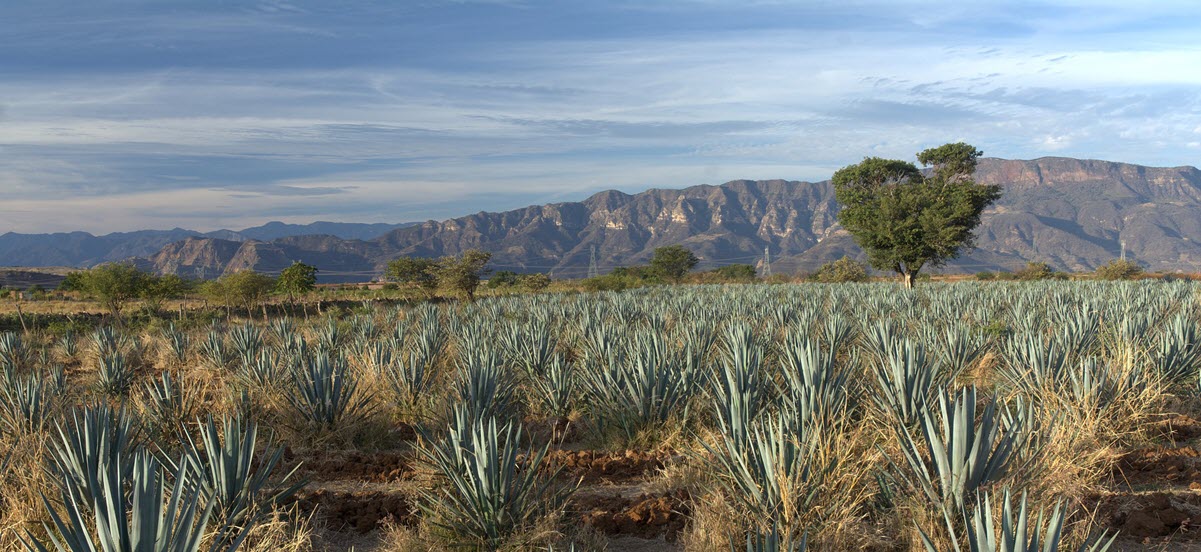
(502, 278)
(905, 220)
(296, 280)
(1119, 269)
(247, 289)
(415, 271)
(1035, 271)
(843, 270)
(113, 284)
(673, 262)
(535, 282)
(737, 273)
(463, 274)
(157, 289)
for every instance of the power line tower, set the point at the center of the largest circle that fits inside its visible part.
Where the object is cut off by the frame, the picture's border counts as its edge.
(593, 272)
(1123, 250)
(766, 261)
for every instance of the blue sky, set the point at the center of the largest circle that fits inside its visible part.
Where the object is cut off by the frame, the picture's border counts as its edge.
(120, 115)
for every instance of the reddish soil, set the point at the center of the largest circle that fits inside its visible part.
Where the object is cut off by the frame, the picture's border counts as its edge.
(379, 467)
(1154, 515)
(1178, 427)
(594, 465)
(644, 516)
(362, 511)
(1160, 465)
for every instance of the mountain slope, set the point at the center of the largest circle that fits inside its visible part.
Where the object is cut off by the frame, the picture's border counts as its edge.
(1071, 213)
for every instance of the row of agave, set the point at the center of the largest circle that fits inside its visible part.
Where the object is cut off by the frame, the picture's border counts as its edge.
(772, 369)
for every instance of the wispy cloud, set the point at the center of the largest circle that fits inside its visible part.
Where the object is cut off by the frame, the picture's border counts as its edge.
(124, 115)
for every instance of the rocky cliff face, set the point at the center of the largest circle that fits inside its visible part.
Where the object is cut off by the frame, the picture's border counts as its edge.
(1071, 213)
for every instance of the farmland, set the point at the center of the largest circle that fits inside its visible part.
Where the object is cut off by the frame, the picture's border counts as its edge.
(695, 417)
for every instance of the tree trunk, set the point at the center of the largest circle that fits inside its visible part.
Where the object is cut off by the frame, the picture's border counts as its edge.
(909, 278)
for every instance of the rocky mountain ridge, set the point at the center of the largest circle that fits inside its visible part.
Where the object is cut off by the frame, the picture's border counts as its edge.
(1071, 213)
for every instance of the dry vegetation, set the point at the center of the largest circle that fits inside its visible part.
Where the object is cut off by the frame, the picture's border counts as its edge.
(763, 417)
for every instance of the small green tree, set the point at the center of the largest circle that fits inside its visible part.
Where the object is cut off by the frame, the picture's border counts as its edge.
(1035, 271)
(1119, 269)
(246, 289)
(418, 272)
(742, 273)
(72, 282)
(673, 262)
(113, 285)
(463, 273)
(502, 278)
(906, 221)
(534, 282)
(843, 270)
(296, 280)
(158, 289)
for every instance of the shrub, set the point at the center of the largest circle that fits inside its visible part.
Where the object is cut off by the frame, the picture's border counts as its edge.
(843, 270)
(985, 275)
(503, 278)
(535, 282)
(1036, 271)
(1119, 269)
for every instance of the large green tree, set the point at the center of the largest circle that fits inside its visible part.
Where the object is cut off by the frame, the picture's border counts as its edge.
(907, 220)
(463, 273)
(673, 262)
(112, 284)
(296, 280)
(419, 272)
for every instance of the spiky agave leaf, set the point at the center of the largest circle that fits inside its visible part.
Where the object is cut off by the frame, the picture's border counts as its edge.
(232, 475)
(1017, 532)
(489, 492)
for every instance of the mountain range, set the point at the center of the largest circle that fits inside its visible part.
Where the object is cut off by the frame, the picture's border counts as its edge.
(81, 249)
(1073, 214)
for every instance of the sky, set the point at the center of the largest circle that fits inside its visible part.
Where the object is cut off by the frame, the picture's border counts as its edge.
(125, 115)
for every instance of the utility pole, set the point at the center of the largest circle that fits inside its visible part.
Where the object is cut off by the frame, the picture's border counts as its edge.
(593, 272)
(766, 262)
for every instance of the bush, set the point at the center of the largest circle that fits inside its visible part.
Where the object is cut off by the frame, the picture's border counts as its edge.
(612, 282)
(535, 282)
(1036, 271)
(845, 269)
(503, 278)
(985, 275)
(735, 273)
(1119, 269)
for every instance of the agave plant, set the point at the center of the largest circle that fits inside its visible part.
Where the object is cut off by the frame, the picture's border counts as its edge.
(484, 387)
(770, 541)
(1177, 350)
(168, 403)
(742, 389)
(489, 490)
(233, 477)
(907, 379)
(814, 390)
(555, 389)
(325, 392)
(179, 343)
(24, 405)
(215, 351)
(14, 354)
(98, 439)
(247, 341)
(116, 375)
(1017, 532)
(264, 371)
(133, 521)
(107, 341)
(69, 344)
(643, 385)
(770, 475)
(966, 450)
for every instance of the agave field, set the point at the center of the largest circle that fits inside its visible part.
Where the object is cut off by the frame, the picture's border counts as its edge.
(955, 417)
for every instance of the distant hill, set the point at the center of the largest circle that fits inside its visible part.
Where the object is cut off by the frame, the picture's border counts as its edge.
(81, 249)
(1070, 213)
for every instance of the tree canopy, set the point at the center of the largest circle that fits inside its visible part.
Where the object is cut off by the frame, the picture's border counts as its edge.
(297, 280)
(673, 262)
(906, 220)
